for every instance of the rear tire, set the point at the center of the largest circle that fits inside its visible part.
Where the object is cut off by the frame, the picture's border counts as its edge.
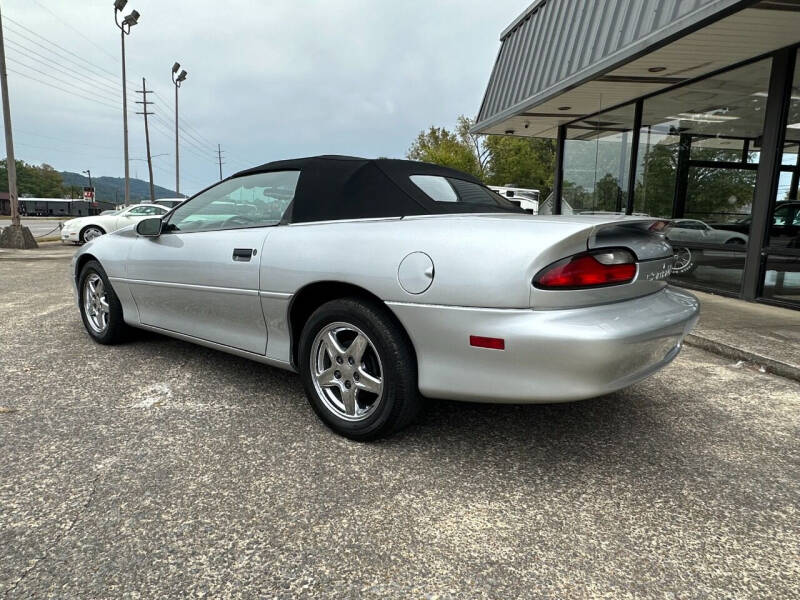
(100, 308)
(371, 396)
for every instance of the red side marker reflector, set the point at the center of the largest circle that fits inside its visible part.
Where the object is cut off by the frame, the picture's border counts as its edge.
(487, 342)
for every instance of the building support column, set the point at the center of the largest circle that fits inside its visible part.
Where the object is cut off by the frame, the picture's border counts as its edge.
(780, 87)
(637, 129)
(682, 176)
(558, 176)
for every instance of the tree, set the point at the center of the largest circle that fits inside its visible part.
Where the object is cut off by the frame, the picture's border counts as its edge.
(442, 147)
(523, 162)
(41, 182)
(496, 160)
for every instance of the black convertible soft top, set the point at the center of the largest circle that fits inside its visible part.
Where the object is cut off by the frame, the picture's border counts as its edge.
(347, 187)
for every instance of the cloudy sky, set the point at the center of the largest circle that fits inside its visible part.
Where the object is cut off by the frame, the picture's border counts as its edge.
(268, 79)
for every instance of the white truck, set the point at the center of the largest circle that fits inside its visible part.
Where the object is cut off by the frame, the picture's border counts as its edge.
(527, 199)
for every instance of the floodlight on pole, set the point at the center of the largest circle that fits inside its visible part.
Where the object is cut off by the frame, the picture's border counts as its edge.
(177, 79)
(125, 29)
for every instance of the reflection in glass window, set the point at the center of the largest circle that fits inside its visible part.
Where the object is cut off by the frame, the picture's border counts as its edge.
(707, 133)
(782, 278)
(596, 163)
(717, 269)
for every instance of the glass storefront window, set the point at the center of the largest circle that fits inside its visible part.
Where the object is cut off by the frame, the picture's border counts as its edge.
(782, 279)
(708, 268)
(694, 139)
(596, 162)
(784, 222)
(722, 197)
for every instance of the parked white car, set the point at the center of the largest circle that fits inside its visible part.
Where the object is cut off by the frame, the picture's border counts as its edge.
(692, 230)
(84, 229)
(170, 202)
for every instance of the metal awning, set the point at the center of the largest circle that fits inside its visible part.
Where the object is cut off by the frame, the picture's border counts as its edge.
(564, 59)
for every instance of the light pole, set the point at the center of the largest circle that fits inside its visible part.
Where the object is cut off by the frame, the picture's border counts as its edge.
(125, 29)
(89, 175)
(177, 79)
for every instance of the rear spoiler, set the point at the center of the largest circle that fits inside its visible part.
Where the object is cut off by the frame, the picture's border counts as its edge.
(644, 236)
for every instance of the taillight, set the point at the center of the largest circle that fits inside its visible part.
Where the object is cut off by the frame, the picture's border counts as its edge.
(595, 269)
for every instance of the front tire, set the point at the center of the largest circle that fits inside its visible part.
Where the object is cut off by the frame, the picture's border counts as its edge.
(91, 232)
(100, 308)
(358, 369)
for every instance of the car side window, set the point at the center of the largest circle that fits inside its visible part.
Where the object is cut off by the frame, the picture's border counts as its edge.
(781, 215)
(450, 189)
(140, 211)
(250, 201)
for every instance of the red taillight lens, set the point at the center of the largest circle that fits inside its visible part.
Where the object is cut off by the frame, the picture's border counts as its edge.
(611, 267)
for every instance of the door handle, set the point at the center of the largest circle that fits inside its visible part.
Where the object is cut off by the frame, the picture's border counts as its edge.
(243, 254)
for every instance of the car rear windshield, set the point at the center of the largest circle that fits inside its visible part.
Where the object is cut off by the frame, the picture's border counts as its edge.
(450, 189)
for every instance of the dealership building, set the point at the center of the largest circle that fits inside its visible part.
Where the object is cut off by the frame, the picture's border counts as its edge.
(686, 109)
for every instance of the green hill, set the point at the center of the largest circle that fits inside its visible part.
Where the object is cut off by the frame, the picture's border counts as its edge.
(112, 189)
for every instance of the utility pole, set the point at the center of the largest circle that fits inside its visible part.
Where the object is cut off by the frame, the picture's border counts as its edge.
(14, 236)
(125, 29)
(219, 158)
(177, 79)
(144, 91)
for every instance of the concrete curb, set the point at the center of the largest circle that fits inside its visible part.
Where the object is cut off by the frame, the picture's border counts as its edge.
(773, 366)
(17, 257)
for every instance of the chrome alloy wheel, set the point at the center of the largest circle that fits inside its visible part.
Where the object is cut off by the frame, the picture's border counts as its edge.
(683, 260)
(347, 371)
(91, 233)
(95, 303)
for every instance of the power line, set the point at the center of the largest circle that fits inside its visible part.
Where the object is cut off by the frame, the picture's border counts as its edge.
(63, 21)
(49, 61)
(104, 78)
(70, 92)
(91, 64)
(186, 134)
(18, 62)
(50, 137)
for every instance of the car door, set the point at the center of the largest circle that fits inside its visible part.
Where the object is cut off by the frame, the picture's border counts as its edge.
(200, 277)
(681, 231)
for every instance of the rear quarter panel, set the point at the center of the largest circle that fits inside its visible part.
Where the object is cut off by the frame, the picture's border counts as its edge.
(482, 262)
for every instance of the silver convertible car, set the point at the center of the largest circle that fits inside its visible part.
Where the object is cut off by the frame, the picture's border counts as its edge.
(384, 281)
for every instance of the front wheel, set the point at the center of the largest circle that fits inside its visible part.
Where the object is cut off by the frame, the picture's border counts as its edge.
(100, 308)
(91, 232)
(358, 369)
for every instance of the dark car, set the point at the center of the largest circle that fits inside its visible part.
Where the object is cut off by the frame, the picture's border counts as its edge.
(784, 230)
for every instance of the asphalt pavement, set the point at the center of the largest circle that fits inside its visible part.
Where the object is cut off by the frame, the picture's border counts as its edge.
(158, 469)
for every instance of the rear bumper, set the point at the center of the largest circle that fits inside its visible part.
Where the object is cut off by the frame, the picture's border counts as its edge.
(550, 355)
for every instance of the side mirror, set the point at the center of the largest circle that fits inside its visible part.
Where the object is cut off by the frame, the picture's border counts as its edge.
(149, 227)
